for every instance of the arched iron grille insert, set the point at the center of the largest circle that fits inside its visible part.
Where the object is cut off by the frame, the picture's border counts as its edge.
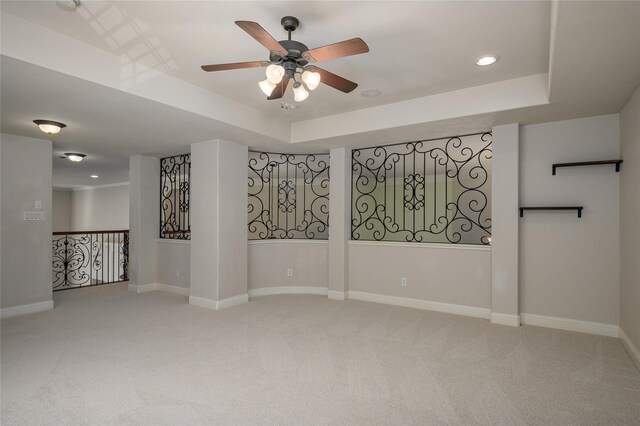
(288, 196)
(175, 179)
(432, 191)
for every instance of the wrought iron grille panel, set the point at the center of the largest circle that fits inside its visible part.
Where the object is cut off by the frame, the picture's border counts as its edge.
(288, 196)
(426, 191)
(175, 180)
(82, 259)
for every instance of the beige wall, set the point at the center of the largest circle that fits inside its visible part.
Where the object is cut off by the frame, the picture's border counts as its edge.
(173, 262)
(269, 261)
(26, 245)
(61, 211)
(569, 267)
(100, 208)
(630, 220)
(458, 275)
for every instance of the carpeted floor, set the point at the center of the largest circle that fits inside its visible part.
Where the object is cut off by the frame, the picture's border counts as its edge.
(107, 356)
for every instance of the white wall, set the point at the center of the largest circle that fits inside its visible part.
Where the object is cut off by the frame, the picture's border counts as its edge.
(445, 273)
(630, 220)
(173, 262)
(269, 260)
(25, 176)
(100, 208)
(61, 212)
(569, 267)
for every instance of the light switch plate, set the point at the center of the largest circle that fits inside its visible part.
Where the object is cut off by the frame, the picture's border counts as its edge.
(33, 215)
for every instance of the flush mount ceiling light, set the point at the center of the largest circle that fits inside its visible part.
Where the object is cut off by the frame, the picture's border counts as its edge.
(485, 60)
(289, 60)
(68, 4)
(74, 156)
(50, 127)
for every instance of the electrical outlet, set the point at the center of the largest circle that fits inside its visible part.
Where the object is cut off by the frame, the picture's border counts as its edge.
(403, 281)
(289, 272)
(177, 272)
(38, 204)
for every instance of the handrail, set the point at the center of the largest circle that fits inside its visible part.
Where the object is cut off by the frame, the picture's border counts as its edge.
(117, 231)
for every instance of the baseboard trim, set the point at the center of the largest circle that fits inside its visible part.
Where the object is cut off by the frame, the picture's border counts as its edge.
(216, 305)
(448, 308)
(335, 295)
(31, 308)
(174, 289)
(505, 319)
(233, 301)
(631, 349)
(269, 291)
(600, 329)
(203, 302)
(143, 288)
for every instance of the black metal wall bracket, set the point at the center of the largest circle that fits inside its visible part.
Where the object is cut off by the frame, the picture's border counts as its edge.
(586, 163)
(577, 208)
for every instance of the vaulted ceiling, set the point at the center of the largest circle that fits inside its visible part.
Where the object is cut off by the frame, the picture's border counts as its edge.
(126, 77)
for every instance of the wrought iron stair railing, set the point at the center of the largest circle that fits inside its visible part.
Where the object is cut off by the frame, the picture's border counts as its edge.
(89, 258)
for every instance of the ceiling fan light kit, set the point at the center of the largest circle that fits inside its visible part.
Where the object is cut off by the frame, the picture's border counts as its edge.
(289, 60)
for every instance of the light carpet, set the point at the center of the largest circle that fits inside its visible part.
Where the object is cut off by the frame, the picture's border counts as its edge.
(107, 356)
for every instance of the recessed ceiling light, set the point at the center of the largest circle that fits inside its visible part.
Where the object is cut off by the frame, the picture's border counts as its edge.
(95, 176)
(485, 60)
(371, 93)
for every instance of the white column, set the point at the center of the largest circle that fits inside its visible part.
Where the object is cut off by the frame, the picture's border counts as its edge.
(339, 222)
(504, 229)
(144, 220)
(219, 182)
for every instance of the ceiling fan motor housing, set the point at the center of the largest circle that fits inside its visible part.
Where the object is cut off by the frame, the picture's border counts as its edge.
(294, 49)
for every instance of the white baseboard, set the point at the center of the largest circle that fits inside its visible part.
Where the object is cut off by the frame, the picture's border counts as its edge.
(269, 291)
(203, 302)
(233, 301)
(143, 288)
(182, 291)
(469, 311)
(335, 295)
(505, 319)
(631, 349)
(31, 308)
(216, 305)
(609, 330)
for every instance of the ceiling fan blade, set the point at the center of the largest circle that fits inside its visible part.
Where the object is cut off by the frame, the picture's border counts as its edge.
(335, 81)
(355, 46)
(278, 92)
(262, 36)
(235, 66)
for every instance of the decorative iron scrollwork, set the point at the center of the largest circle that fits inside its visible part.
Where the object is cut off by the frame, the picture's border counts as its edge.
(86, 259)
(426, 191)
(175, 179)
(288, 196)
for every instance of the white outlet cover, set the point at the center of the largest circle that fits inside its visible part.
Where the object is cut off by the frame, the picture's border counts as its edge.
(289, 272)
(38, 204)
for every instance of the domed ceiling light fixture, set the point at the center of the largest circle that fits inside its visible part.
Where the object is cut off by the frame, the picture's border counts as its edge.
(50, 127)
(74, 156)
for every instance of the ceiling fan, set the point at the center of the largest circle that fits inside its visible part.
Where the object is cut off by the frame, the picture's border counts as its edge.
(289, 60)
